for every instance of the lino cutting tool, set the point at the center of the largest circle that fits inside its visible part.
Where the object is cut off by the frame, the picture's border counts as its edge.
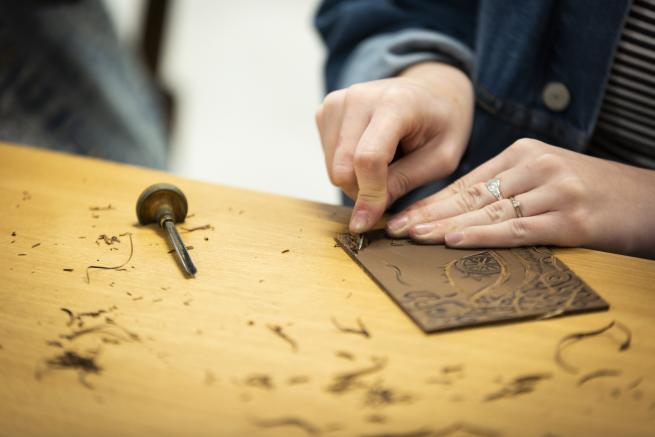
(165, 204)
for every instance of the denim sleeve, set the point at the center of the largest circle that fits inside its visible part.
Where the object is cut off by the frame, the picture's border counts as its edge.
(386, 55)
(369, 39)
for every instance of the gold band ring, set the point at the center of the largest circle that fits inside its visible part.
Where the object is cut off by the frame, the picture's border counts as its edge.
(517, 207)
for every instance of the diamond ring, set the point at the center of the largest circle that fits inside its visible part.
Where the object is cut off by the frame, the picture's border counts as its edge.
(493, 185)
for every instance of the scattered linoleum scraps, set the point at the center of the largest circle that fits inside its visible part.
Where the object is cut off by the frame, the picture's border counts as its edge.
(109, 328)
(360, 330)
(279, 331)
(376, 418)
(108, 240)
(118, 267)
(197, 228)
(571, 339)
(296, 422)
(84, 364)
(259, 381)
(345, 355)
(298, 379)
(455, 429)
(520, 385)
(448, 375)
(187, 248)
(107, 332)
(378, 395)
(101, 208)
(79, 317)
(347, 381)
(601, 373)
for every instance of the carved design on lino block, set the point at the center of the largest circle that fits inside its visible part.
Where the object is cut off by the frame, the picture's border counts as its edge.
(442, 288)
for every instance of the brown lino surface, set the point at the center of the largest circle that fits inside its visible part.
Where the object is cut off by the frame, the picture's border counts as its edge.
(442, 288)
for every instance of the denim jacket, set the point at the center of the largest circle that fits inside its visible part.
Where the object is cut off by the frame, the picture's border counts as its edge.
(539, 67)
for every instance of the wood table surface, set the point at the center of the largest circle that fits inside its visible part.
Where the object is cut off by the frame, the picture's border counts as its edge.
(157, 353)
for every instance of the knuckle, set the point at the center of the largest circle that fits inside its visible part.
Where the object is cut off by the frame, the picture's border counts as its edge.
(469, 199)
(578, 221)
(448, 159)
(457, 186)
(372, 195)
(356, 92)
(572, 188)
(522, 144)
(397, 93)
(548, 163)
(518, 229)
(369, 160)
(495, 212)
(524, 147)
(341, 175)
(333, 100)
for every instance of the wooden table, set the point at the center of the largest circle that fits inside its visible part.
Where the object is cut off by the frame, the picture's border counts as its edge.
(174, 356)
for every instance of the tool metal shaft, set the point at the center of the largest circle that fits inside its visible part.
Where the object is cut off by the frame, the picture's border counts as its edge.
(180, 249)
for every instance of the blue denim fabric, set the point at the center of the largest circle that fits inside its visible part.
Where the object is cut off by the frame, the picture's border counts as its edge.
(519, 46)
(66, 84)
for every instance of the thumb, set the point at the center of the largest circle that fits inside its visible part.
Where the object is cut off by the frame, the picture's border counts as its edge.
(372, 197)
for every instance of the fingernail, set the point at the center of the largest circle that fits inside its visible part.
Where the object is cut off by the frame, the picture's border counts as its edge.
(453, 238)
(397, 224)
(423, 228)
(359, 222)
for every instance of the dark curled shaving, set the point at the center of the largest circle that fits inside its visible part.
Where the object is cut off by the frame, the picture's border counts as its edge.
(108, 240)
(361, 330)
(105, 329)
(71, 316)
(129, 234)
(575, 337)
(198, 228)
(101, 208)
(598, 374)
(287, 421)
(260, 381)
(518, 386)
(277, 330)
(347, 381)
(423, 432)
(378, 395)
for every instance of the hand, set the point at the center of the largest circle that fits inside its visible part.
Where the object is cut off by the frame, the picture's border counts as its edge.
(566, 199)
(427, 110)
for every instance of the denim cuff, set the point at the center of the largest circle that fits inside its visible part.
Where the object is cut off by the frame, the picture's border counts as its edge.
(386, 55)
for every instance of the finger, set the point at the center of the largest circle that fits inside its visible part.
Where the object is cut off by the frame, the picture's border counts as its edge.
(374, 152)
(328, 121)
(418, 167)
(356, 116)
(531, 203)
(513, 181)
(541, 229)
(482, 173)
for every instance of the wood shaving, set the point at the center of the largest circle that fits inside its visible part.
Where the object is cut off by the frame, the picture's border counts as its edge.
(88, 279)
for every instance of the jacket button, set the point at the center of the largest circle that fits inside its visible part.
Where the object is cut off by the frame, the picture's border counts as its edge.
(556, 96)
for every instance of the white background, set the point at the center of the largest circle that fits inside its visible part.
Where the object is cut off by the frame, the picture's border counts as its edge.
(247, 76)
